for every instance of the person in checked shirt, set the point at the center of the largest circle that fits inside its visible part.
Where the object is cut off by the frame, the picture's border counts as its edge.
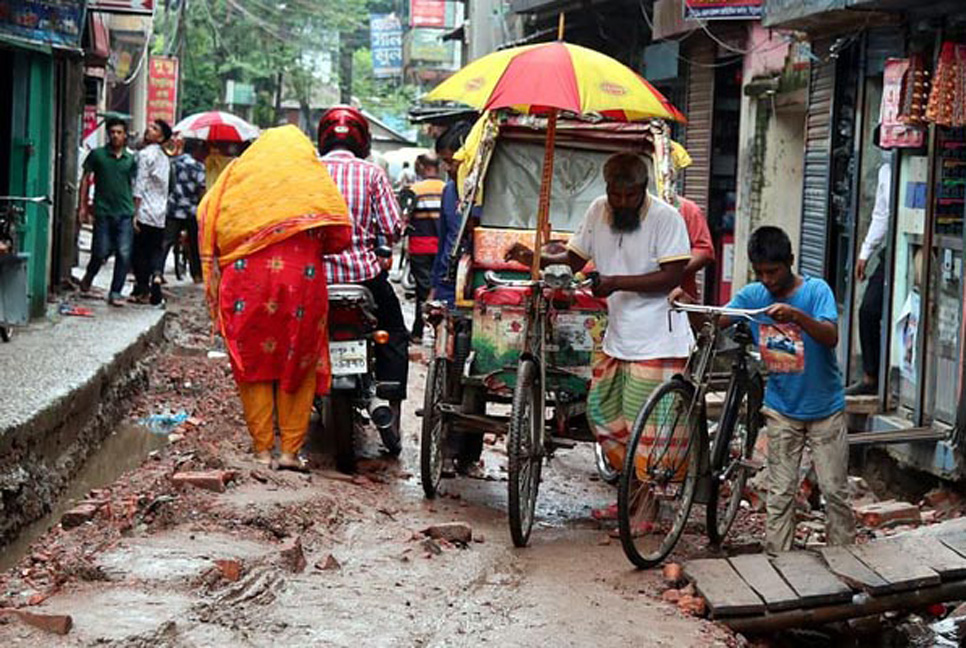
(345, 142)
(151, 209)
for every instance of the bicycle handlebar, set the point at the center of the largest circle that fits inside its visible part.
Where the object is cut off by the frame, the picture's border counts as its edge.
(721, 311)
(493, 279)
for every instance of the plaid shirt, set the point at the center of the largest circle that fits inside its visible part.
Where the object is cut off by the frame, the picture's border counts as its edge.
(374, 211)
(188, 188)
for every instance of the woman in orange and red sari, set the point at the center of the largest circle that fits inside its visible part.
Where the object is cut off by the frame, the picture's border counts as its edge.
(265, 225)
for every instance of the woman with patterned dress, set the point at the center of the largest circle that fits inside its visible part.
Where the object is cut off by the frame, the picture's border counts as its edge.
(265, 225)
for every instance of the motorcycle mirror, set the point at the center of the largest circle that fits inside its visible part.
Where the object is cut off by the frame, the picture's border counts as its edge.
(384, 252)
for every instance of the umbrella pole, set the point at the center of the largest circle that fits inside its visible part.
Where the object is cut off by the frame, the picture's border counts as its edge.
(542, 234)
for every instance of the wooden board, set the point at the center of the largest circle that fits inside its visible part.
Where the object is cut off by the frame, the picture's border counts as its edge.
(852, 571)
(944, 561)
(811, 580)
(757, 571)
(955, 540)
(721, 586)
(899, 568)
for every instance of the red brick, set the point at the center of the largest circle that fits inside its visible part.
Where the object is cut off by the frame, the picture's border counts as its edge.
(889, 513)
(941, 498)
(213, 480)
(293, 558)
(455, 532)
(78, 515)
(230, 569)
(693, 605)
(54, 623)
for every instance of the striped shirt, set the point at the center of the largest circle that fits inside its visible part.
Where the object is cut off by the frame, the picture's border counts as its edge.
(423, 225)
(374, 211)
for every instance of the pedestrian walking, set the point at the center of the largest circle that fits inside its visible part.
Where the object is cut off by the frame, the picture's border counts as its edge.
(804, 398)
(151, 206)
(188, 187)
(265, 226)
(112, 169)
(424, 234)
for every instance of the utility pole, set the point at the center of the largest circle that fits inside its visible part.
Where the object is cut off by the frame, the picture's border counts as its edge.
(182, 47)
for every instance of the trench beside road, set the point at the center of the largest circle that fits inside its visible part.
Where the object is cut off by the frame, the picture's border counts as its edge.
(159, 563)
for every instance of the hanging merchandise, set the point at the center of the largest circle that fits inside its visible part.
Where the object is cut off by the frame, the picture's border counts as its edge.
(895, 133)
(947, 103)
(915, 90)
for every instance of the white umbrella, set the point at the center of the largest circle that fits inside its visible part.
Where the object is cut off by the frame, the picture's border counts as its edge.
(216, 126)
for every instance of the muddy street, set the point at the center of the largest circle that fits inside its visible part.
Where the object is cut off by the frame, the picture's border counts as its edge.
(242, 555)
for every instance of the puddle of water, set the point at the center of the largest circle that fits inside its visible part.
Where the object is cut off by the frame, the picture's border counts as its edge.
(123, 450)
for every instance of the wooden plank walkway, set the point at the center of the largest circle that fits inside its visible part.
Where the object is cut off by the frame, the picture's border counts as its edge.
(755, 591)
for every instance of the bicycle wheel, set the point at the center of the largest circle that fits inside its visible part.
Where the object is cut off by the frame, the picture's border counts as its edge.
(433, 433)
(525, 451)
(661, 470)
(732, 446)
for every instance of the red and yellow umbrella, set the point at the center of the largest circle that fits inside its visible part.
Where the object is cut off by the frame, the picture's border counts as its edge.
(538, 79)
(548, 78)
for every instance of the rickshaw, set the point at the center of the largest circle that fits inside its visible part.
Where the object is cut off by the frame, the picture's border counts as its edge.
(512, 340)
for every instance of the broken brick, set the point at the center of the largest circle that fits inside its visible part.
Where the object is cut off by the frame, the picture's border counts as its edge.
(455, 532)
(693, 605)
(329, 563)
(54, 623)
(673, 574)
(78, 515)
(888, 513)
(941, 498)
(212, 480)
(293, 558)
(229, 569)
(671, 596)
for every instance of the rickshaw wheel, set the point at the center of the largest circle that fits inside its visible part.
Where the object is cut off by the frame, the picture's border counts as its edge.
(525, 451)
(433, 433)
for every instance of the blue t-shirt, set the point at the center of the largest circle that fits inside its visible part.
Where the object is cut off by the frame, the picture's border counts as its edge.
(804, 381)
(448, 228)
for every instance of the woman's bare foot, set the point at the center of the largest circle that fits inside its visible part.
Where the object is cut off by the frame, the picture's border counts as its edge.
(289, 461)
(264, 457)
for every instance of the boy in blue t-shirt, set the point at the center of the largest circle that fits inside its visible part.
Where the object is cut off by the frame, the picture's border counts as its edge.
(804, 398)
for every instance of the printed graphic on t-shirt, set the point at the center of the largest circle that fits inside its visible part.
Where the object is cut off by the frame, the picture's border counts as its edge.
(782, 348)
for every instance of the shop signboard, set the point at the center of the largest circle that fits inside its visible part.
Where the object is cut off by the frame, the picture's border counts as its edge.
(386, 41)
(57, 23)
(162, 89)
(427, 13)
(722, 9)
(143, 7)
(428, 46)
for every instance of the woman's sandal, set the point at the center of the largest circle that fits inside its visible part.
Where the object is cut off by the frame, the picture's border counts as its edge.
(295, 463)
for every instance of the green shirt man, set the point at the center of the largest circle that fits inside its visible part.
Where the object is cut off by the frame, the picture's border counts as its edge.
(114, 173)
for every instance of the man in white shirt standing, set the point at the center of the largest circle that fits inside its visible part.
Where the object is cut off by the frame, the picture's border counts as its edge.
(639, 245)
(151, 209)
(870, 312)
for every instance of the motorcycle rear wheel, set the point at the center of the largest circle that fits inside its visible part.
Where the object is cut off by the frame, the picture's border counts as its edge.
(339, 422)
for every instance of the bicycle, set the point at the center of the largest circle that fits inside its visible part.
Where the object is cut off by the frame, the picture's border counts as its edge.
(681, 461)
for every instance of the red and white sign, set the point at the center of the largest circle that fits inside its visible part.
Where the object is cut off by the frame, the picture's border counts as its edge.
(162, 89)
(90, 120)
(143, 7)
(427, 13)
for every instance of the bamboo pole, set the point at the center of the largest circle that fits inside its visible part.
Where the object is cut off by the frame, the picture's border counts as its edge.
(542, 235)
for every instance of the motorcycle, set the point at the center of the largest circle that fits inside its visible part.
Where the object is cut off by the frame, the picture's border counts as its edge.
(356, 397)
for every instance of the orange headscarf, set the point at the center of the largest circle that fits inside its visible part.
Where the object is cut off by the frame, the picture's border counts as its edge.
(277, 188)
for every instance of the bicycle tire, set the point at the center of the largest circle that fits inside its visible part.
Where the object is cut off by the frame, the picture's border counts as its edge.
(631, 486)
(727, 445)
(525, 452)
(433, 434)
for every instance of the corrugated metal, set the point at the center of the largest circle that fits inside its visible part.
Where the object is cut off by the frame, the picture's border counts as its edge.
(700, 108)
(818, 137)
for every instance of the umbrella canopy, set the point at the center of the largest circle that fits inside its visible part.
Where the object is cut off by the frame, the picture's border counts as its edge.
(216, 126)
(555, 76)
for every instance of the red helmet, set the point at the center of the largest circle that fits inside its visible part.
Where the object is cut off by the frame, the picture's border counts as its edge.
(345, 127)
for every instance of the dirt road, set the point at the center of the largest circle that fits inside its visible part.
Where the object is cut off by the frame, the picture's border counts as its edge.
(143, 572)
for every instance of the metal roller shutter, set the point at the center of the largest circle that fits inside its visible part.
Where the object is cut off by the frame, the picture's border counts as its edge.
(818, 137)
(700, 109)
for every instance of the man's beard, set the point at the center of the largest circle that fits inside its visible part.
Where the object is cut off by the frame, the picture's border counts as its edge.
(626, 219)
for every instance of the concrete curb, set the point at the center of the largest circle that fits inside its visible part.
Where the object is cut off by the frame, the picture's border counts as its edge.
(40, 455)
